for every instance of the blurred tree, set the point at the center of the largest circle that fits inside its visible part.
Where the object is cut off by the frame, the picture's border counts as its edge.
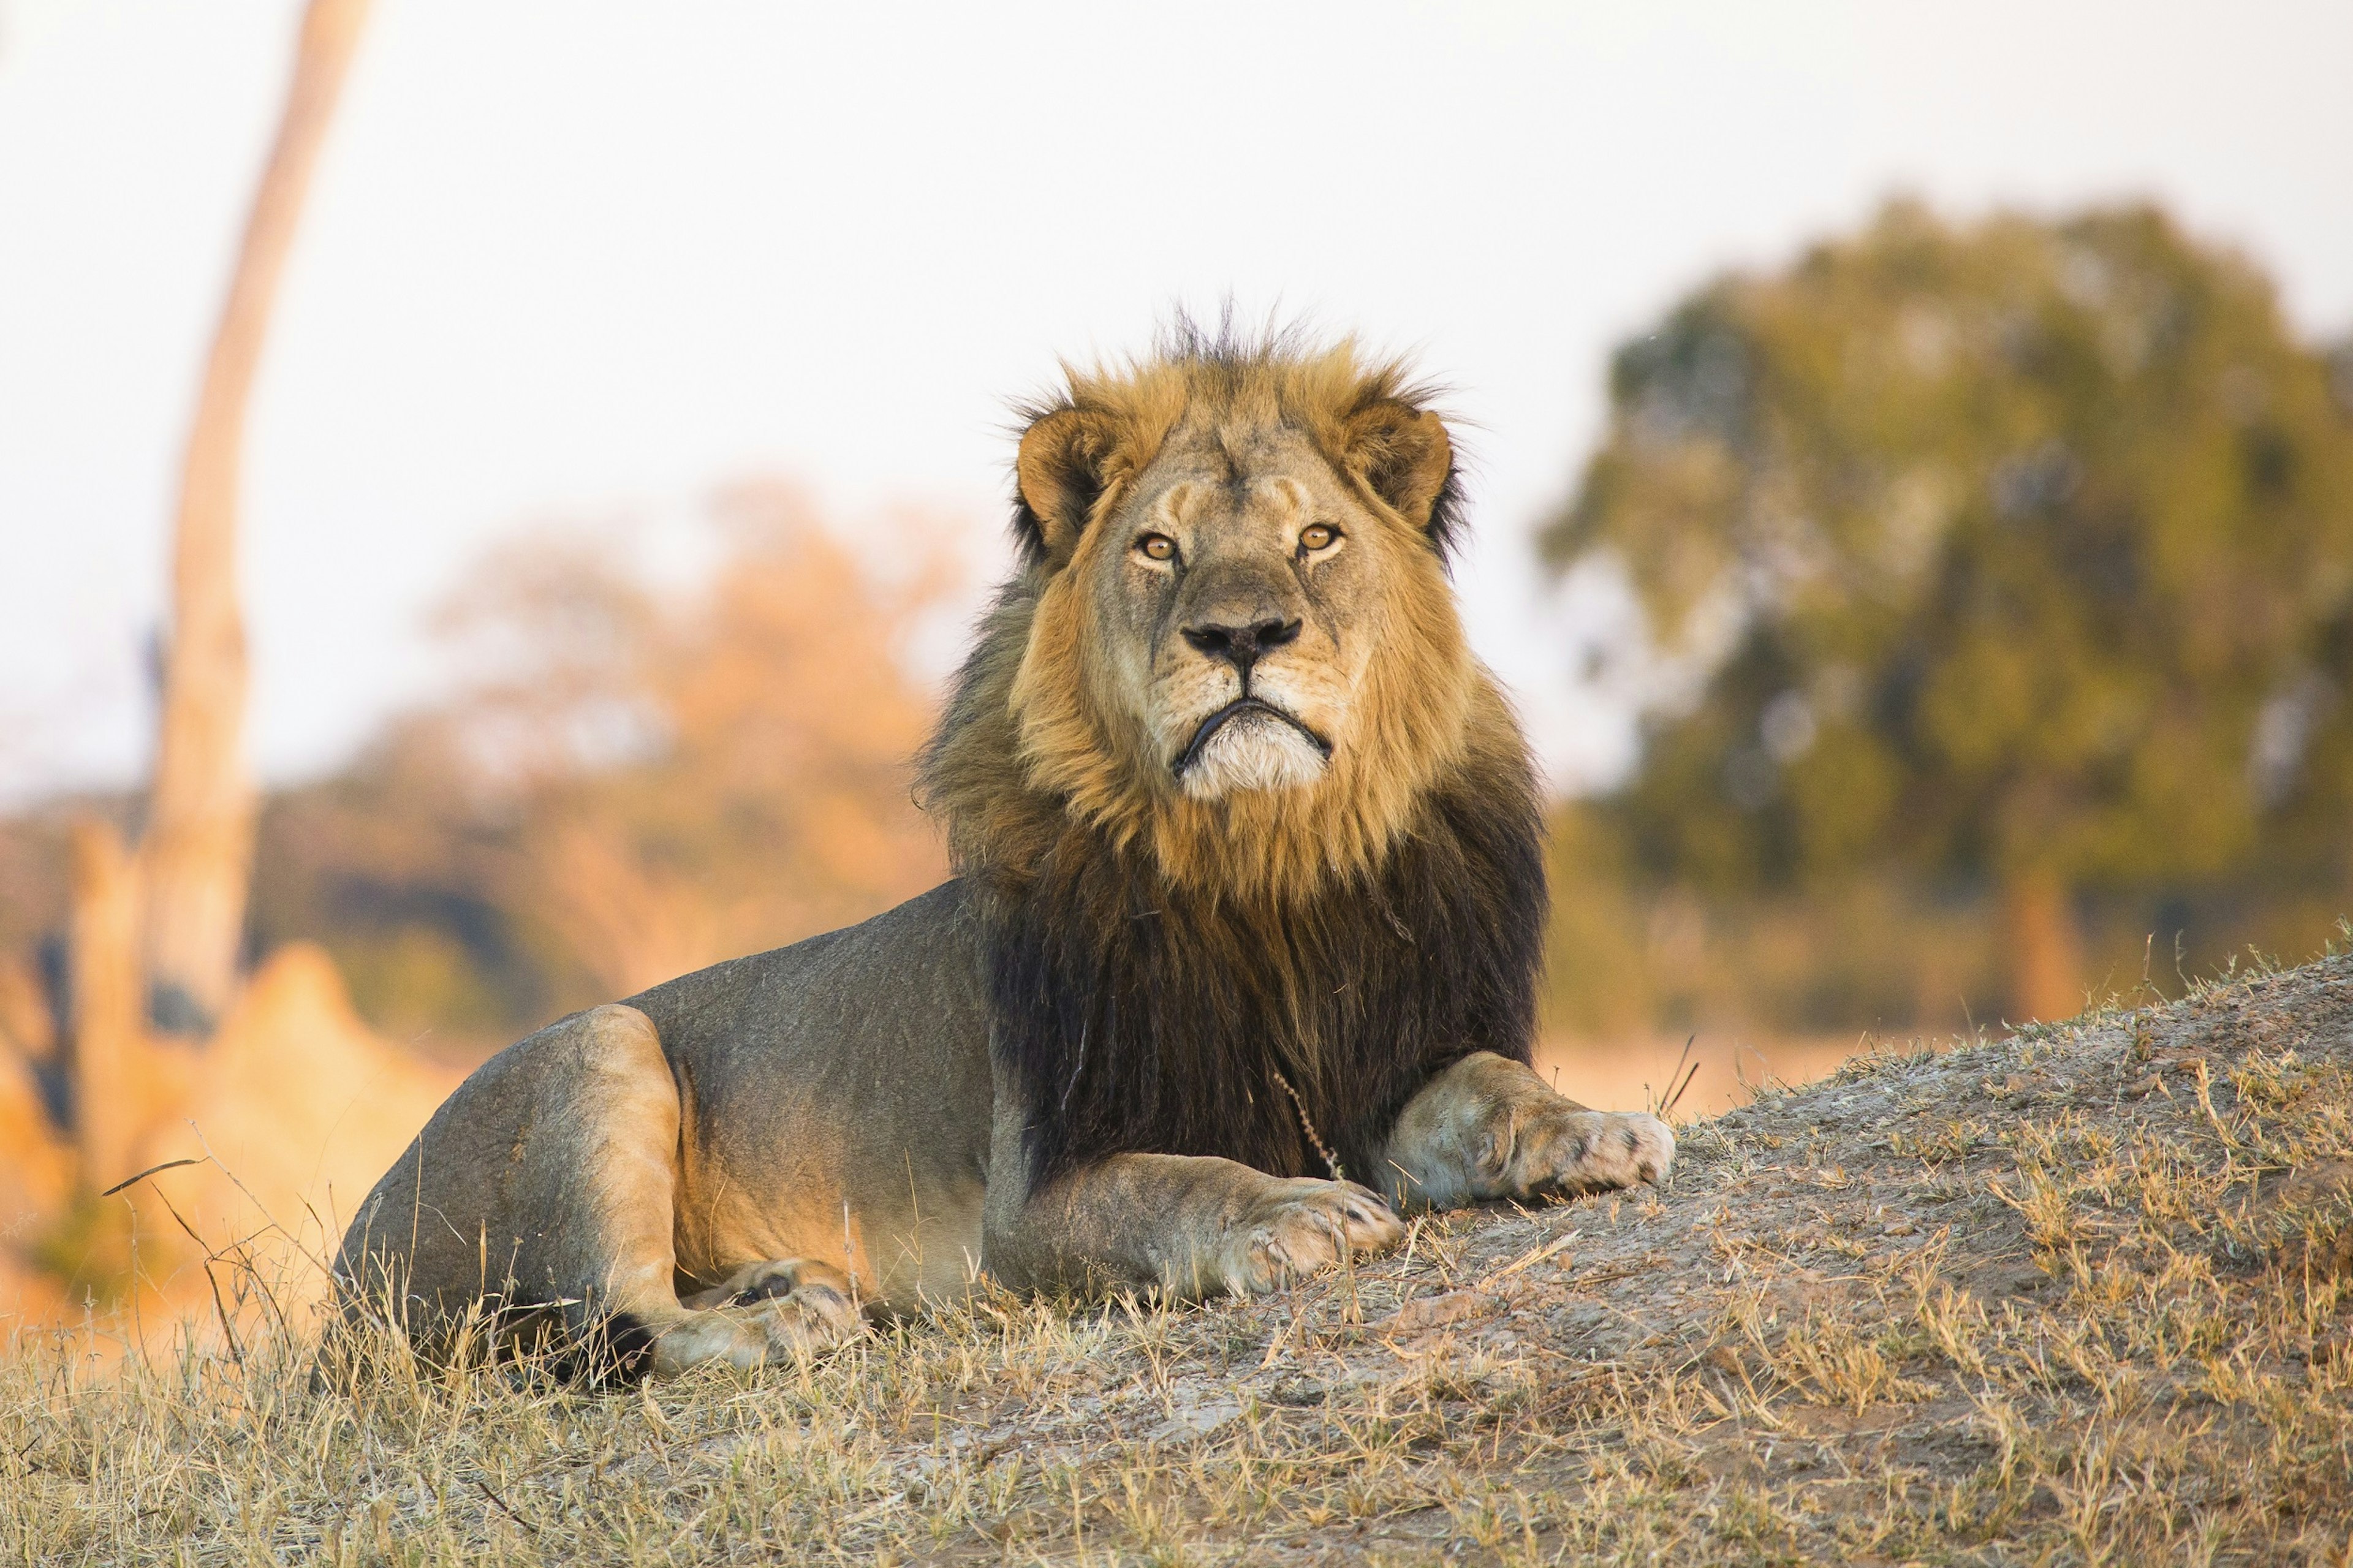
(704, 782)
(2021, 551)
(196, 854)
(631, 784)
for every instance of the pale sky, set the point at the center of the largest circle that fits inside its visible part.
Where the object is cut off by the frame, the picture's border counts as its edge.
(573, 258)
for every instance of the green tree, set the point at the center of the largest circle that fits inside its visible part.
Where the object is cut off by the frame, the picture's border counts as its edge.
(2020, 552)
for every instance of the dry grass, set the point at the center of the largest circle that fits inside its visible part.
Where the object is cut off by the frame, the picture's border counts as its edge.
(2080, 1296)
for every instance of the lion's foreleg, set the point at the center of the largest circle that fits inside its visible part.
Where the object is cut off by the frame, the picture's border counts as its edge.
(1489, 1128)
(1182, 1226)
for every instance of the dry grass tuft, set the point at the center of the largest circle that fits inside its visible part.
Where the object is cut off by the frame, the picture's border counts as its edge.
(2080, 1296)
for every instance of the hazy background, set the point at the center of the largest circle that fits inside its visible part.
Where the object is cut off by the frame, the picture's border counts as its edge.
(579, 259)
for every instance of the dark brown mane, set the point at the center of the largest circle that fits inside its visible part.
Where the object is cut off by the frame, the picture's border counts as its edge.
(1143, 1017)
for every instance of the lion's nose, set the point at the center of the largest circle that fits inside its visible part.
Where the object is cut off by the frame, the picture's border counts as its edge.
(1242, 645)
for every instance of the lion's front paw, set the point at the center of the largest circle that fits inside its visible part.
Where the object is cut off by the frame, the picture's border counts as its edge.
(1564, 1150)
(1301, 1227)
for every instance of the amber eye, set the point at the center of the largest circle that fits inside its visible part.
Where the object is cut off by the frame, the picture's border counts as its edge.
(1317, 535)
(1157, 547)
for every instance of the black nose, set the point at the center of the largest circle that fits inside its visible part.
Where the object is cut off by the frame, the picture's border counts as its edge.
(1242, 645)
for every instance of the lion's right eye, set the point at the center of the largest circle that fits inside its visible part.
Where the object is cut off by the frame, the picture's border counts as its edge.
(1157, 547)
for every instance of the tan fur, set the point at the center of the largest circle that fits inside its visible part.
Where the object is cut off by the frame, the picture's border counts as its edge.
(718, 1170)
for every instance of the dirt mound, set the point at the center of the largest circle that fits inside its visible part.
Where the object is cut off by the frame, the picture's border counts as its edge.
(2080, 1295)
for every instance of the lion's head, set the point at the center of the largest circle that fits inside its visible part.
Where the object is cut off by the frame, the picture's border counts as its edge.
(1233, 641)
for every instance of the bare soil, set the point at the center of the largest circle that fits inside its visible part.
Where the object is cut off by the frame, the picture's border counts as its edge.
(2084, 1294)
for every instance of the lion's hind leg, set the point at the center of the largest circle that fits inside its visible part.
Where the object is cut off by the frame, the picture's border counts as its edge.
(537, 1212)
(615, 1208)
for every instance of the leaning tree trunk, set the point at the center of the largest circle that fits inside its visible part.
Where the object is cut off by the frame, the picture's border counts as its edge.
(196, 856)
(2043, 947)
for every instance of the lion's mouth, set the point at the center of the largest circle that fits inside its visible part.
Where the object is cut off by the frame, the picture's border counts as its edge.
(1236, 709)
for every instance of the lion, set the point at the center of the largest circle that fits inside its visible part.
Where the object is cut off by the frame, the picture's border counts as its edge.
(1238, 962)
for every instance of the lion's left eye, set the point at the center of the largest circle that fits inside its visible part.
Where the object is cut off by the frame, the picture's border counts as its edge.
(1318, 535)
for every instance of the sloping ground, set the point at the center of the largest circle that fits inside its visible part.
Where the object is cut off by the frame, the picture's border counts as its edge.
(2083, 1295)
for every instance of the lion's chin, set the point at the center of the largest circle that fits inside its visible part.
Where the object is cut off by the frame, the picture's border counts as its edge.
(1255, 748)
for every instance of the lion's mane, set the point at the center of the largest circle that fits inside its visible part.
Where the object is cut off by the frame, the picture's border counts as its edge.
(1160, 970)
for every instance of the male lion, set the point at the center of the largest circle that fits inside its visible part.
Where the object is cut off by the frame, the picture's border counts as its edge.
(1249, 896)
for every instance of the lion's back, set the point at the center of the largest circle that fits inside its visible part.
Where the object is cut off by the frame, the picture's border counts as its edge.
(870, 1034)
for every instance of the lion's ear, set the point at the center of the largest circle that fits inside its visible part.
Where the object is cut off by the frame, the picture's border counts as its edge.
(1406, 456)
(1061, 475)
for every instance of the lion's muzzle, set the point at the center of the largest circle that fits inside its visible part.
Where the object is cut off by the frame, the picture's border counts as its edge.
(1250, 744)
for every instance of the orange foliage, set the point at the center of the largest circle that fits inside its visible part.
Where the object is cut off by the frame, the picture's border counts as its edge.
(704, 778)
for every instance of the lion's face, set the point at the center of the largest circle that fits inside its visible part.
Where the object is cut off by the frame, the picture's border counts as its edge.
(1235, 597)
(1232, 640)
